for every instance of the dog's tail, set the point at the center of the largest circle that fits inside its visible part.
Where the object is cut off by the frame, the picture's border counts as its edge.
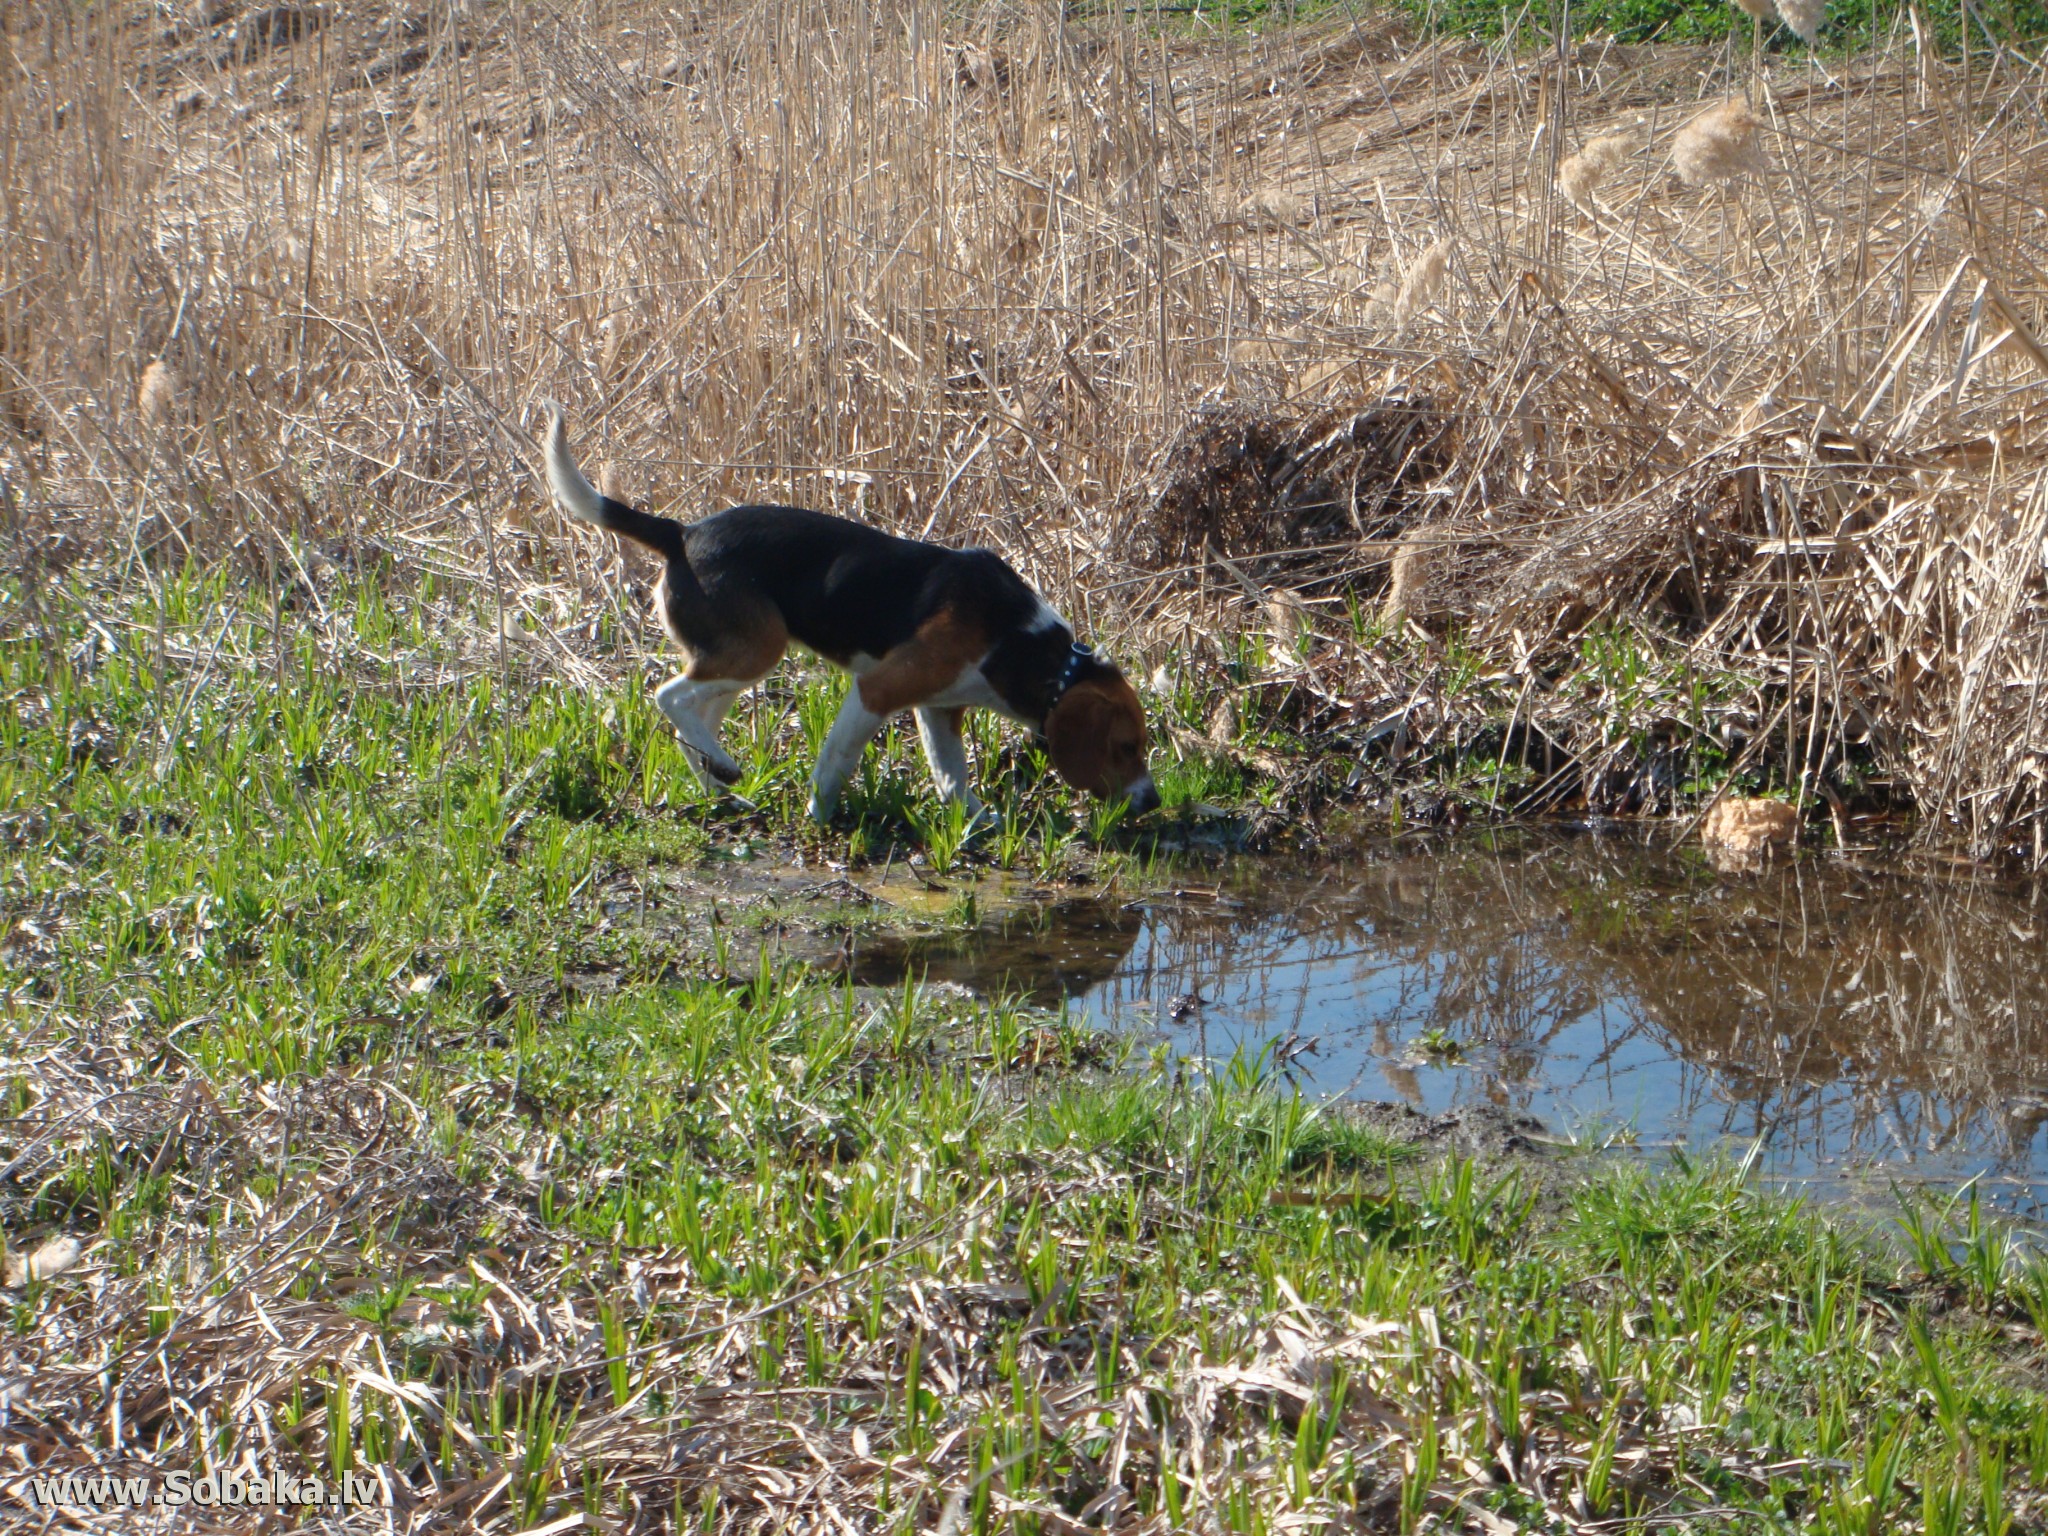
(582, 500)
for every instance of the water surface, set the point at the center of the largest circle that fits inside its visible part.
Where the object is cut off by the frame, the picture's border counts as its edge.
(1858, 1023)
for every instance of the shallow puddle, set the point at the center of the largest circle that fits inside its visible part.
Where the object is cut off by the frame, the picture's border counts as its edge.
(1860, 1023)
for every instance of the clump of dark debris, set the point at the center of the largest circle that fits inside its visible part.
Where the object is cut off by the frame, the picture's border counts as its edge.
(1291, 493)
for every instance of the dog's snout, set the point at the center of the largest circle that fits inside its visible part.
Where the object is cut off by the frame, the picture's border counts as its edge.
(1143, 795)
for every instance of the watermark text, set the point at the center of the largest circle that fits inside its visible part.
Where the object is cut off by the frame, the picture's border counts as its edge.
(224, 1488)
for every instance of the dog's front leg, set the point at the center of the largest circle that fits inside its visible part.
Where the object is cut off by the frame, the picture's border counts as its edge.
(694, 707)
(939, 730)
(851, 731)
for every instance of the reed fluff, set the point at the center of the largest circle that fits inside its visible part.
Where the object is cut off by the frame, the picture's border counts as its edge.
(156, 399)
(1718, 145)
(1278, 205)
(1417, 290)
(1759, 10)
(1804, 17)
(1583, 174)
(1406, 578)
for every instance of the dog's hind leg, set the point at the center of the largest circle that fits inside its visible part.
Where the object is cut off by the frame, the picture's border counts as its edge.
(939, 730)
(695, 706)
(731, 646)
(713, 704)
(851, 731)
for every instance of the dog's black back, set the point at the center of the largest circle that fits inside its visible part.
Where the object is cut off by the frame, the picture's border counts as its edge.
(823, 574)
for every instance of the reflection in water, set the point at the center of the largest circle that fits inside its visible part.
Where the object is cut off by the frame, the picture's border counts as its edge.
(1043, 954)
(1849, 1019)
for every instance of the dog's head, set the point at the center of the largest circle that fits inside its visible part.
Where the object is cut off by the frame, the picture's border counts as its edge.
(1095, 735)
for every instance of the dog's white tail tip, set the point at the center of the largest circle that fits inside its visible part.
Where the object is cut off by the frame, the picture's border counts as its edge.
(575, 493)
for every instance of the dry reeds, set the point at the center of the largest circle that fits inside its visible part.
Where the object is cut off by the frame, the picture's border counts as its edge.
(617, 482)
(965, 276)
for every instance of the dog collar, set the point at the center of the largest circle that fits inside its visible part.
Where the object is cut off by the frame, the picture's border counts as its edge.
(1077, 658)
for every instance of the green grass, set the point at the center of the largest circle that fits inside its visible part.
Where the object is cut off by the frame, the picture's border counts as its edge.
(294, 1038)
(1851, 24)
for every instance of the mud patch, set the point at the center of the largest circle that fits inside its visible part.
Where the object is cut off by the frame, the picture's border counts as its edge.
(1487, 1132)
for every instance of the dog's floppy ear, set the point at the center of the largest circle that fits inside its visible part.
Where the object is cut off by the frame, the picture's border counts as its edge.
(1074, 738)
(1095, 735)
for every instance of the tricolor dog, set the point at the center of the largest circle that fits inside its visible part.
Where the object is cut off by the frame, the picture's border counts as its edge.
(923, 628)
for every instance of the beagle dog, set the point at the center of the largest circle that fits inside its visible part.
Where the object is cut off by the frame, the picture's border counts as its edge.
(923, 628)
